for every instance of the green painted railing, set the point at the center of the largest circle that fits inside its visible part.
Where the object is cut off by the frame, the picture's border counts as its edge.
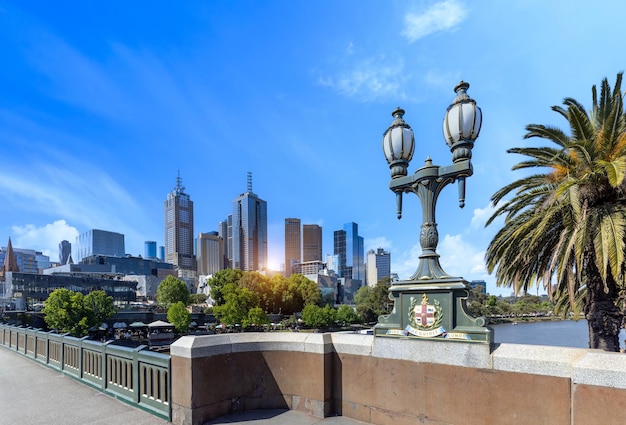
(137, 376)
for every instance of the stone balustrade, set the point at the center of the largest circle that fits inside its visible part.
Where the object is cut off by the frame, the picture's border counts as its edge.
(395, 381)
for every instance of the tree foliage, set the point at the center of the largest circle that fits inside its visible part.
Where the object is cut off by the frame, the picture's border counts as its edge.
(316, 316)
(179, 316)
(256, 316)
(373, 301)
(275, 295)
(221, 279)
(238, 302)
(346, 315)
(197, 298)
(75, 313)
(565, 223)
(172, 290)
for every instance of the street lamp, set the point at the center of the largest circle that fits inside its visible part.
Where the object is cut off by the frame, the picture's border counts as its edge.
(432, 303)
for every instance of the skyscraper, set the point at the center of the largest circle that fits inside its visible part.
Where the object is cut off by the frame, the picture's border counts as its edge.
(224, 229)
(292, 244)
(249, 231)
(348, 246)
(99, 242)
(65, 252)
(150, 249)
(311, 242)
(179, 228)
(378, 266)
(210, 255)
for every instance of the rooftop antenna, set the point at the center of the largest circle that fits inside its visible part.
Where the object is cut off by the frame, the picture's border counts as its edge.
(179, 187)
(249, 181)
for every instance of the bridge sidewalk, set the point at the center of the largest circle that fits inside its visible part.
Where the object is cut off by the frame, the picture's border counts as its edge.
(34, 394)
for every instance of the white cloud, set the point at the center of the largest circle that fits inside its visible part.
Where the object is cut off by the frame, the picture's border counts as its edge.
(45, 238)
(460, 258)
(378, 242)
(481, 215)
(370, 79)
(439, 17)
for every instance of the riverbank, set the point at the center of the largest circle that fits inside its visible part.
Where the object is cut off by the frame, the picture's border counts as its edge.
(530, 319)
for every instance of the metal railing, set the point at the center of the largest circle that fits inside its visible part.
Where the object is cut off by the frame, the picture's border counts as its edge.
(137, 376)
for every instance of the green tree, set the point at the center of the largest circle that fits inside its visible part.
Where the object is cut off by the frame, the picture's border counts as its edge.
(179, 316)
(316, 316)
(221, 279)
(346, 315)
(75, 313)
(256, 316)
(237, 303)
(373, 301)
(197, 298)
(307, 291)
(99, 307)
(172, 290)
(567, 221)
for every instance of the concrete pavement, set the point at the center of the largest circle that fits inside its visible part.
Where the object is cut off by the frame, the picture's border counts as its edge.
(34, 394)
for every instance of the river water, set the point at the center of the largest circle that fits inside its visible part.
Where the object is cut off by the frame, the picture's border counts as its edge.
(564, 333)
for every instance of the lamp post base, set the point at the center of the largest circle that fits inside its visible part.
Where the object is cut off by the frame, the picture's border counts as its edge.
(435, 310)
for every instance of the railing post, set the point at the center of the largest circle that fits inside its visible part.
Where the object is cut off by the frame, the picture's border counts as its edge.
(135, 377)
(81, 355)
(104, 371)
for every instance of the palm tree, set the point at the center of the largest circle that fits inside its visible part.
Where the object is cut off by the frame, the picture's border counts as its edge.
(567, 223)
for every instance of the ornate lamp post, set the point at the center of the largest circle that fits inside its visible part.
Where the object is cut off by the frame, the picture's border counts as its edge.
(431, 304)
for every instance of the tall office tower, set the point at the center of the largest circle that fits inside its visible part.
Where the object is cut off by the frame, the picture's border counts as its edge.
(378, 266)
(150, 250)
(210, 256)
(179, 228)
(311, 243)
(249, 231)
(65, 252)
(100, 242)
(162, 253)
(348, 246)
(223, 229)
(292, 244)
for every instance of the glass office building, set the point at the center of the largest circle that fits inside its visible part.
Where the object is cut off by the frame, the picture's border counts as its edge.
(99, 242)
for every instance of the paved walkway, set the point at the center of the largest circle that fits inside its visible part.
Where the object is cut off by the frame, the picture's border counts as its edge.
(34, 394)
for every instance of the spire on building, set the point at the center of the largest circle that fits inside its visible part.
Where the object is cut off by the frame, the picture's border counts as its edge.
(10, 262)
(249, 182)
(179, 186)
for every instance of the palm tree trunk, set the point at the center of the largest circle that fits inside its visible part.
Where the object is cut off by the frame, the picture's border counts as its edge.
(603, 316)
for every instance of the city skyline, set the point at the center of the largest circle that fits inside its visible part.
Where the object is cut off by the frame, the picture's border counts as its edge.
(104, 103)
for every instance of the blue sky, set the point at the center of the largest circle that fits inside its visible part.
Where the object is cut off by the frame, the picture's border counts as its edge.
(103, 103)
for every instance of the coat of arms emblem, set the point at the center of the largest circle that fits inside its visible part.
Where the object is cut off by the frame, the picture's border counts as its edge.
(425, 317)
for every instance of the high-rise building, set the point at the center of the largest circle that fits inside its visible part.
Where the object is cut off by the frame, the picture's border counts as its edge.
(179, 228)
(311, 242)
(378, 266)
(99, 242)
(150, 249)
(292, 245)
(249, 231)
(65, 252)
(348, 246)
(162, 253)
(210, 255)
(224, 230)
